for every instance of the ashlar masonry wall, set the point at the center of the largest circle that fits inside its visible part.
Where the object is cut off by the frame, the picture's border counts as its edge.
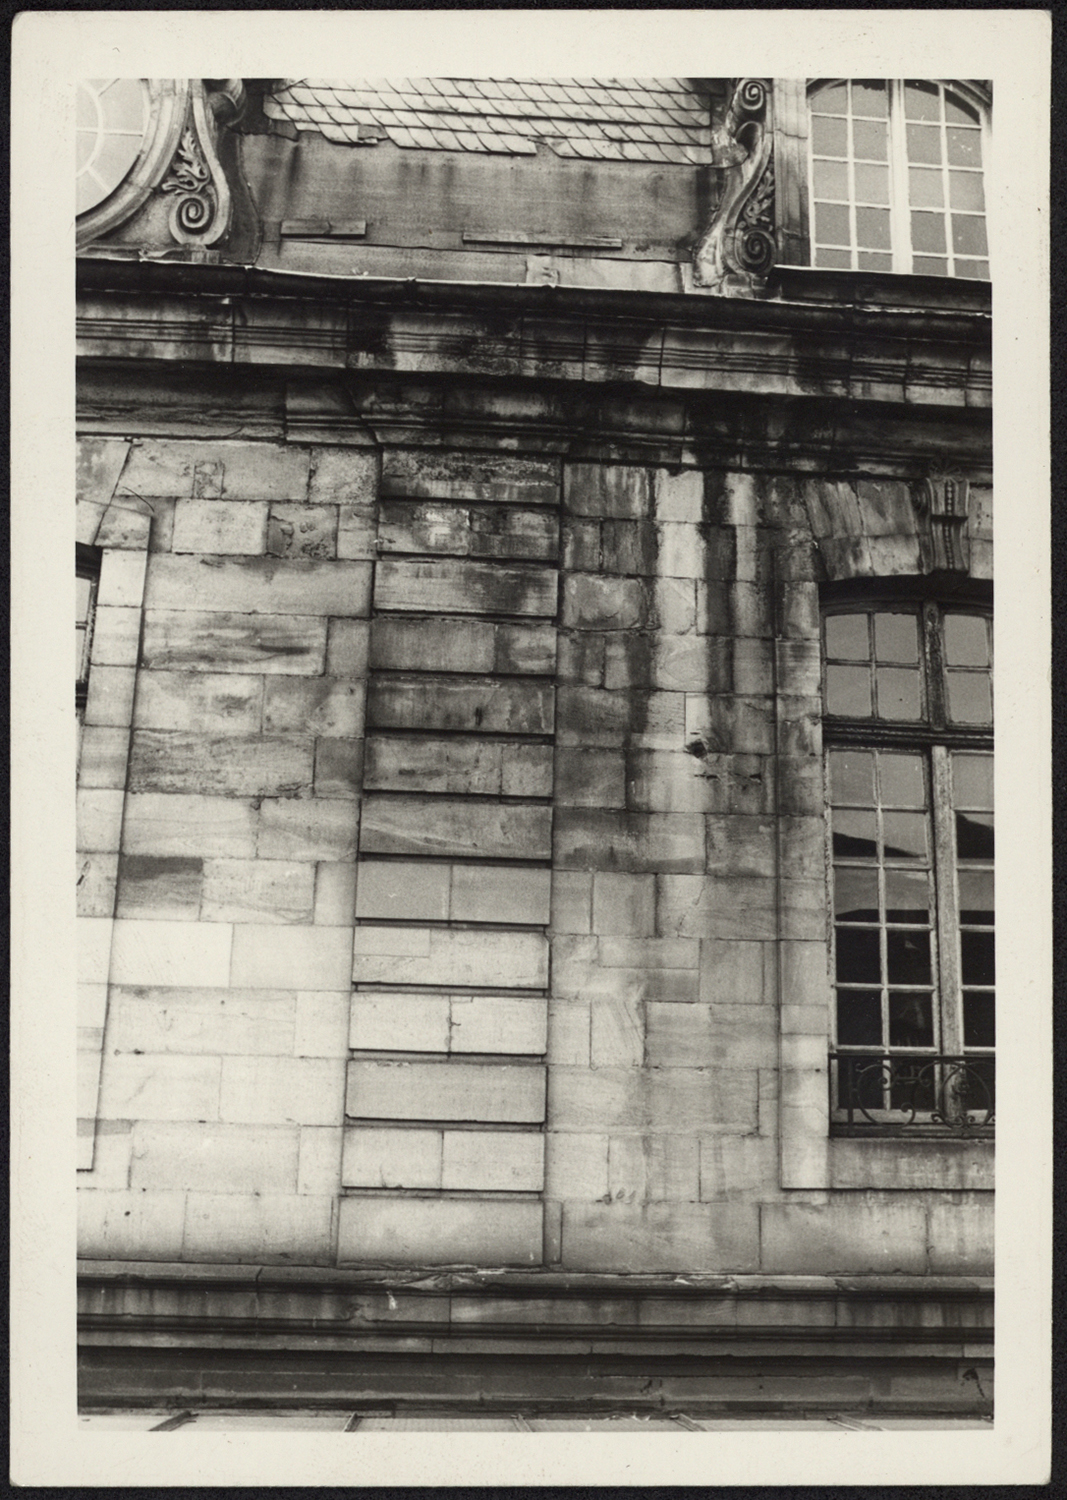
(453, 866)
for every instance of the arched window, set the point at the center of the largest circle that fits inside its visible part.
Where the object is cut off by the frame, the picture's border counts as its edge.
(896, 177)
(908, 729)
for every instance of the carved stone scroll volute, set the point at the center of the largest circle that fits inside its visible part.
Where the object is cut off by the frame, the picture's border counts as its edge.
(200, 213)
(739, 248)
(942, 508)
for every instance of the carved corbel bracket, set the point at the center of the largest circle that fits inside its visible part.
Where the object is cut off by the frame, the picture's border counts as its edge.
(200, 213)
(941, 504)
(738, 248)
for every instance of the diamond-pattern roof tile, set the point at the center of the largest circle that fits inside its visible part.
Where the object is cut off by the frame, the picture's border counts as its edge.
(653, 120)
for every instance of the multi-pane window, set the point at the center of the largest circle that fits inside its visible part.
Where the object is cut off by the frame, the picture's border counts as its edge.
(896, 178)
(908, 729)
(86, 577)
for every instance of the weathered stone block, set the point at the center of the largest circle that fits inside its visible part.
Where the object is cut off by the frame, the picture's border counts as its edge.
(399, 1023)
(213, 470)
(282, 1090)
(732, 725)
(445, 1091)
(159, 1087)
(302, 531)
(220, 527)
(403, 889)
(443, 826)
(308, 829)
(320, 1026)
(568, 1033)
(306, 958)
(680, 1100)
(225, 764)
(98, 819)
(468, 531)
(425, 955)
(678, 496)
(110, 698)
(338, 767)
(178, 953)
(116, 630)
(259, 585)
(464, 588)
(357, 532)
(493, 1161)
(572, 897)
(733, 972)
(623, 904)
(592, 839)
(648, 952)
(98, 464)
(677, 781)
(199, 641)
(524, 648)
(497, 1023)
(124, 1225)
(741, 1168)
(286, 1228)
(499, 893)
(96, 884)
(961, 1234)
(488, 706)
(326, 707)
(576, 1166)
(145, 1019)
(421, 763)
(342, 476)
(589, 778)
(715, 906)
(102, 756)
(593, 717)
(214, 1158)
(681, 550)
(261, 890)
(647, 1237)
(432, 645)
(592, 602)
(391, 1158)
(201, 702)
(581, 657)
(606, 490)
(874, 1235)
(122, 579)
(470, 476)
(319, 1163)
(188, 825)
(721, 1036)
(617, 1033)
(159, 886)
(382, 1231)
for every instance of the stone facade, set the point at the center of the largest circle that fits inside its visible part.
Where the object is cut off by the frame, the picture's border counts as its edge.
(452, 838)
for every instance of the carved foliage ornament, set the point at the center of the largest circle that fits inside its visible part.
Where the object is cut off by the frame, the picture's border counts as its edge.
(739, 248)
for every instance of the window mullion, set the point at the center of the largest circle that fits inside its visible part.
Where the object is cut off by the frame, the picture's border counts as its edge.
(945, 883)
(898, 182)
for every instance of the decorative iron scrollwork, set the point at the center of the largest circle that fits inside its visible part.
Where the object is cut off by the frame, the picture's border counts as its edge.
(941, 1095)
(739, 247)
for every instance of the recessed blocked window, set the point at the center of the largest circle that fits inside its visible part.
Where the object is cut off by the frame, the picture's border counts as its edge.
(897, 178)
(908, 728)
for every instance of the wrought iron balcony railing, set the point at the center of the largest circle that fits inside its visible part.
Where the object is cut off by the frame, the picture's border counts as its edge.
(913, 1093)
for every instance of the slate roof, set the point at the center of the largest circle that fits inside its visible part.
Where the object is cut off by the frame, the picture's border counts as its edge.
(596, 119)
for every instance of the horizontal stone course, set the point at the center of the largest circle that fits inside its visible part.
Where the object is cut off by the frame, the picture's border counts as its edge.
(215, 470)
(217, 641)
(152, 1019)
(456, 764)
(390, 1022)
(470, 476)
(468, 1160)
(220, 527)
(450, 827)
(460, 957)
(329, 707)
(465, 704)
(201, 702)
(214, 1158)
(467, 531)
(497, 1092)
(227, 765)
(378, 1231)
(255, 585)
(463, 587)
(429, 891)
(651, 1237)
(603, 839)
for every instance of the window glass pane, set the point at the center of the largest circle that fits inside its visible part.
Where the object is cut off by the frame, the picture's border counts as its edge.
(907, 954)
(907, 896)
(964, 147)
(924, 187)
(925, 266)
(831, 224)
(872, 260)
(855, 894)
(977, 963)
(969, 698)
(859, 1018)
(965, 190)
(978, 270)
(927, 231)
(872, 184)
(976, 896)
(835, 260)
(869, 140)
(974, 836)
(832, 100)
(846, 637)
(924, 144)
(872, 228)
(831, 180)
(869, 97)
(905, 835)
(972, 780)
(968, 234)
(957, 113)
(896, 638)
(829, 137)
(911, 1020)
(901, 780)
(898, 692)
(848, 691)
(921, 101)
(854, 834)
(858, 957)
(966, 641)
(852, 777)
(979, 1019)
